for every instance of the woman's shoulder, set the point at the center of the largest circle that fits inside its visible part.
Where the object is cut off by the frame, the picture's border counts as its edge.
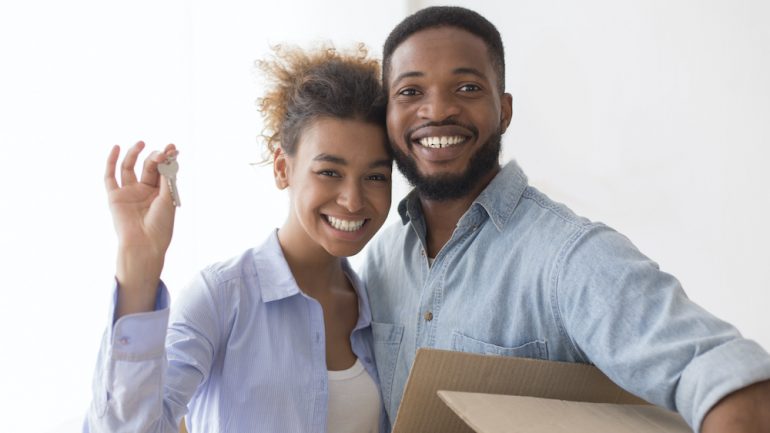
(249, 272)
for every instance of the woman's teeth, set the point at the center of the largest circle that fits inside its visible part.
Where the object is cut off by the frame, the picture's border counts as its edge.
(345, 225)
(439, 142)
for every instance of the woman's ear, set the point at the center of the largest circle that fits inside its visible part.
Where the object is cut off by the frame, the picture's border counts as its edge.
(280, 168)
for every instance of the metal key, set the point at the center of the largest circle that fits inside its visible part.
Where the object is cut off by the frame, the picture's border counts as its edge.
(168, 169)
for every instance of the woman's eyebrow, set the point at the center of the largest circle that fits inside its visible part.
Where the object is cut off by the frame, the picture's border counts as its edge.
(325, 157)
(387, 163)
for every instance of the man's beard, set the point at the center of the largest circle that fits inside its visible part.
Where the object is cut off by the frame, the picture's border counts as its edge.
(450, 186)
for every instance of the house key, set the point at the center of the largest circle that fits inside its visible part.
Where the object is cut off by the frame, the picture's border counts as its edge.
(168, 169)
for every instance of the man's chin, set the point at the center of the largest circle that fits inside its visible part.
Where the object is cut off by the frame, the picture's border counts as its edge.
(454, 182)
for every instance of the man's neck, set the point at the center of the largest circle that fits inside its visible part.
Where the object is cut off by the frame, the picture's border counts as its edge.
(442, 216)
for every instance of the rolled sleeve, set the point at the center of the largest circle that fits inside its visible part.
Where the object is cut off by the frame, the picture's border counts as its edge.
(140, 336)
(636, 324)
(128, 377)
(713, 375)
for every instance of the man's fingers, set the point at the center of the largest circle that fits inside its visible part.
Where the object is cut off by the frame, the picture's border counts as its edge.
(109, 173)
(127, 174)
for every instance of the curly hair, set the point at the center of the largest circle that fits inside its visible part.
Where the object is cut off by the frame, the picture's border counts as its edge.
(305, 85)
(448, 16)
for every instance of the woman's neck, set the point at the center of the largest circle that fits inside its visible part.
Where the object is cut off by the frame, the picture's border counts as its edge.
(314, 269)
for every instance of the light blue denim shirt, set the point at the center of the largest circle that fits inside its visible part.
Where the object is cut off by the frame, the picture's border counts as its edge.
(245, 351)
(524, 276)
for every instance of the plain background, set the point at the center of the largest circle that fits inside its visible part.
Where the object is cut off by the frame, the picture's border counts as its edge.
(651, 116)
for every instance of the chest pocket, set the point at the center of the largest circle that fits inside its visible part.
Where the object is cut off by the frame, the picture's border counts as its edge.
(537, 349)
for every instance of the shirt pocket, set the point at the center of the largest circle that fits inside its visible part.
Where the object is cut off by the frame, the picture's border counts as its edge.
(387, 343)
(537, 349)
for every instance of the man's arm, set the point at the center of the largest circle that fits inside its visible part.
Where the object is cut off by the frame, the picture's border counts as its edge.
(744, 411)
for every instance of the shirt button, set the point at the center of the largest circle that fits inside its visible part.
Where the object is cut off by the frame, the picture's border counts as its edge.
(428, 316)
(123, 341)
(422, 253)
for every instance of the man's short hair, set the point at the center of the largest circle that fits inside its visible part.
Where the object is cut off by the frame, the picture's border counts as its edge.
(447, 16)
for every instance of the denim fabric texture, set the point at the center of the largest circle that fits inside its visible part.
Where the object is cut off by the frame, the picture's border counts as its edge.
(244, 350)
(524, 276)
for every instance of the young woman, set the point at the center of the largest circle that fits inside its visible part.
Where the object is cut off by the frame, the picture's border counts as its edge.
(276, 339)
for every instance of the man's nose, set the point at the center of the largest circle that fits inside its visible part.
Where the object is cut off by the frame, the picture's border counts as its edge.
(439, 106)
(351, 196)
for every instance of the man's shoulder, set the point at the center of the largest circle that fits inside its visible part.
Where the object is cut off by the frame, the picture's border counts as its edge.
(535, 203)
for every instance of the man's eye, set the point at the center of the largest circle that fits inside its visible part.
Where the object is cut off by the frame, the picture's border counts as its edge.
(469, 88)
(329, 173)
(408, 92)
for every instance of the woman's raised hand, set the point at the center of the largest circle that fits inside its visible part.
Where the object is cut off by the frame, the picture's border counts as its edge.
(143, 215)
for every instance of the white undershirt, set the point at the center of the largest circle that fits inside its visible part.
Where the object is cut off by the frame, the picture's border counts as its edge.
(354, 401)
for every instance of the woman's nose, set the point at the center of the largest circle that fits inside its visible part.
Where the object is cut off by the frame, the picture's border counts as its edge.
(351, 197)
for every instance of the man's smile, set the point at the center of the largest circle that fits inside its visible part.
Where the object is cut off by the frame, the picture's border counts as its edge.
(439, 142)
(440, 137)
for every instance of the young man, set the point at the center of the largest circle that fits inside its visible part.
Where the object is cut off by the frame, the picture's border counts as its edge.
(484, 263)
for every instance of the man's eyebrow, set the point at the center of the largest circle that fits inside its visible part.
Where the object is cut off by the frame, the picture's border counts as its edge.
(409, 74)
(472, 71)
(456, 71)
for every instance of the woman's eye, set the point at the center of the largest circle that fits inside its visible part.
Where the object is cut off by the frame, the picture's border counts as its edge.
(329, 173)
(378, 177)
(408, 92)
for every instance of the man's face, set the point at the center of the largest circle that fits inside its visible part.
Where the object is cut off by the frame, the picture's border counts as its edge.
(445, 113)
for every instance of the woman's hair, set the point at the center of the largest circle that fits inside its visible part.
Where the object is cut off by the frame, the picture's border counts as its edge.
(306, 85)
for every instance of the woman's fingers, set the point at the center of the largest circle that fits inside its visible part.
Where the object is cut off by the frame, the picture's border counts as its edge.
(150, 169)
(127, 174)
(150, 173)
(109, 173)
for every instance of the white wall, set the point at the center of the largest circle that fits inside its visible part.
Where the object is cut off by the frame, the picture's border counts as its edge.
(650, 116)
(653, 117)
(80, 76)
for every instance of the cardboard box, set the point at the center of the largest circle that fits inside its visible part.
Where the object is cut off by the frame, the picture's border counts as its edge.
(454, 392)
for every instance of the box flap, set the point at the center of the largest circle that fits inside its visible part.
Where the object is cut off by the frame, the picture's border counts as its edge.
(423, 411)
(490, 413)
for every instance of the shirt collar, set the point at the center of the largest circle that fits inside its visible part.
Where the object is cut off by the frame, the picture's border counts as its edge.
(277, 282)
(275, 278)
(499, 199)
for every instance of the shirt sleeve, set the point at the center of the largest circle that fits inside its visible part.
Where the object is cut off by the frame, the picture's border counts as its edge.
(636, 324)
(143, 378)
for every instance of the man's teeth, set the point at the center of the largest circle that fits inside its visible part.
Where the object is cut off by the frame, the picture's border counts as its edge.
(439, 142)
(345, 225)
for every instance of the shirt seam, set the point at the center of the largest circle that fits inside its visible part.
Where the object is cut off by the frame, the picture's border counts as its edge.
(558, 268)
(554, 208)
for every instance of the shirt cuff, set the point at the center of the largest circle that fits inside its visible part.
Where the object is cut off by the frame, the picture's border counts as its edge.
(140, 336)
(717, 373)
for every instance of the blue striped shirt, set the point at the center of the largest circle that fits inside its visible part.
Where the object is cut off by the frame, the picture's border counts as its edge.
(243, 348)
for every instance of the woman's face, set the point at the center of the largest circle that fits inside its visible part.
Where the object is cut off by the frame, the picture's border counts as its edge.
(340, 182)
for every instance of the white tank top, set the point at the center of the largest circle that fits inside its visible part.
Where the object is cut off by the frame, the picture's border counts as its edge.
(354, 401)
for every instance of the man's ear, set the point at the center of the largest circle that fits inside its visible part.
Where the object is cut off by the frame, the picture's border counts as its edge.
(506, 111)
(280, 168)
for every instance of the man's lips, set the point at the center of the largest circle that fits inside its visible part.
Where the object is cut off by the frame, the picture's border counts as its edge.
(438, 137)
(440, 131)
